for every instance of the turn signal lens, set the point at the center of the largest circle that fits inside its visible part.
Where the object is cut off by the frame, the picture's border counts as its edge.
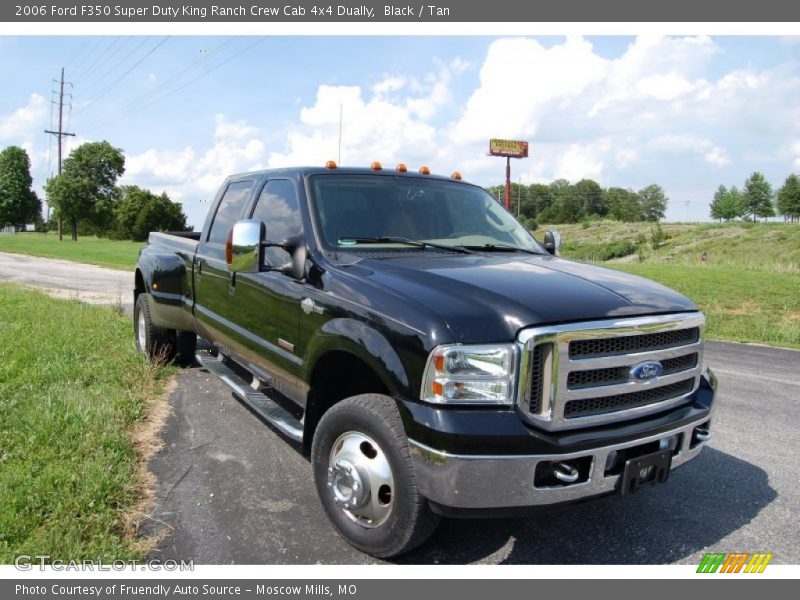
(424, 170)
(331, 164)
(376, 166)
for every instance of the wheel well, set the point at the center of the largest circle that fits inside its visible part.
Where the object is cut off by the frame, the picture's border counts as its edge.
(336, 376)
(139, 286)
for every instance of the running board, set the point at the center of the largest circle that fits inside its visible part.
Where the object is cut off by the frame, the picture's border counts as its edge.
(274, 413)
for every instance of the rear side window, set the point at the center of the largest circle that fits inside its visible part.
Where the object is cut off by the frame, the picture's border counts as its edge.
(277, 207)
(228, 211)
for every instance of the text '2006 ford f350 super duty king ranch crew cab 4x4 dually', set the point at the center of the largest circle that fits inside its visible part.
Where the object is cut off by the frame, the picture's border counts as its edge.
(429, 353)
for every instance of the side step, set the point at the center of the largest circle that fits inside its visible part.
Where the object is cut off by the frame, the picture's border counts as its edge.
(274, 413)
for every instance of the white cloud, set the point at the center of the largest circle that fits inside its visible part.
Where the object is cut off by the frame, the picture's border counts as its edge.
(377, 125)
(21, 125)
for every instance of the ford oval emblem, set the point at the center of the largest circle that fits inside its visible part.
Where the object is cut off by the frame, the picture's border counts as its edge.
(645, 371)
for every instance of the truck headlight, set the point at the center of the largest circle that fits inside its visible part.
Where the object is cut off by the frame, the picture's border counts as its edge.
(482, 374)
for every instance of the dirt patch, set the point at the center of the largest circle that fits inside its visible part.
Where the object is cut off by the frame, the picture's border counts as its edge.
(146, 437)
(748, 307)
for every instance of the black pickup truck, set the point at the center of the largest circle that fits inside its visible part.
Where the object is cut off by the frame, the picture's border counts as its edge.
(432, 357)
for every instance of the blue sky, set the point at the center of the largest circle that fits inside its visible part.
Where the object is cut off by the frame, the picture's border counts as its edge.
(688, 113)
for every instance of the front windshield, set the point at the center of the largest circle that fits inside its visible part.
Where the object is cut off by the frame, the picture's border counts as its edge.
(369, 207)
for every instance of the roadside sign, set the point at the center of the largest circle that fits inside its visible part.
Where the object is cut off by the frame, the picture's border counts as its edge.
(509, 148)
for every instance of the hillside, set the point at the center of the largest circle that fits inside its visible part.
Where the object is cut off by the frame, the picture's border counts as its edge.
(758, 246)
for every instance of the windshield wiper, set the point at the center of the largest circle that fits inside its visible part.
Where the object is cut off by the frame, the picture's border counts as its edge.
(501, 247)
(401, 240)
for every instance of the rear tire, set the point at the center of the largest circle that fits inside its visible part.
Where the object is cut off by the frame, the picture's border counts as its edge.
(160, 344)
(355, 442)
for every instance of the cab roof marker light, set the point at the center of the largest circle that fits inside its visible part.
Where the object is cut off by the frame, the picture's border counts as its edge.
(402, 168)
(331, 164)
(424, 170)
(456, 175)
(376, 166)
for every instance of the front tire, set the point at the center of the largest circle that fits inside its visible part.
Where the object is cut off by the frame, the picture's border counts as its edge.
(365, 478)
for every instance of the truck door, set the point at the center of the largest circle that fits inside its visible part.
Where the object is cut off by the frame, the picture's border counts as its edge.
(212, 280)
(267, 304)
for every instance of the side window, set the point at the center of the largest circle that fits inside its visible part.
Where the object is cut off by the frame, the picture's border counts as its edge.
(277, 206)
(228, 211)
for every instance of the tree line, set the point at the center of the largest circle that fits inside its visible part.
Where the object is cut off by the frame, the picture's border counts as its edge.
(85, 196)
(565, 202)
(757, 200)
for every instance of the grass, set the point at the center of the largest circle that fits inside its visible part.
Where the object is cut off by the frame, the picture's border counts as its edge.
(744, 276)
(740, 305)
(115, 254)
(73, 394)
(753, 246)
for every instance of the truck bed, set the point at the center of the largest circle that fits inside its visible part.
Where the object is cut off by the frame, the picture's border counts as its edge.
(185, 242)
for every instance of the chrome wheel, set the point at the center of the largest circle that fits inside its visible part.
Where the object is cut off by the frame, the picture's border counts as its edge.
(360, 479)
(141, 331)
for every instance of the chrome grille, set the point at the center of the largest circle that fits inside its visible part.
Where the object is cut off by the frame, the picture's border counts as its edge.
(580, 375)
(605, 404)
(632, 343)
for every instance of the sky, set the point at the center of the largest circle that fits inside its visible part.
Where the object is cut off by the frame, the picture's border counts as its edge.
(688, 112)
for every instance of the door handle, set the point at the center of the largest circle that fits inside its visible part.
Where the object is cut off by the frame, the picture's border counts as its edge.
(200, 263)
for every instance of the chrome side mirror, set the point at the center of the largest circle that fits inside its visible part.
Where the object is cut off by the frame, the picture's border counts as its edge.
(552, 242)
(244, 250)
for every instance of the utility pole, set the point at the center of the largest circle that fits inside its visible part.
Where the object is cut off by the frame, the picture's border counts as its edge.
(519, 196)
(60, 134)
(687, 210)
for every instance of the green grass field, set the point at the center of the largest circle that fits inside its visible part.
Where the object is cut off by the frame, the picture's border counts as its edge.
(740, 305)
(95, 251)
(73, 392)
(748, 285)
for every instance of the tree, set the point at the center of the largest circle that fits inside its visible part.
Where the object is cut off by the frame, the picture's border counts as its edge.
(592, 197)
(138, 212)
(624, 205)
(19, 204)
(758, 197)
(654, 201)
(727, 204)
(85, 190)
(789, 198)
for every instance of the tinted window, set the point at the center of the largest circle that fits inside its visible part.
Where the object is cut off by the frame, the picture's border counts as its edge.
(230, 207)
(445, 212)
(277, 207)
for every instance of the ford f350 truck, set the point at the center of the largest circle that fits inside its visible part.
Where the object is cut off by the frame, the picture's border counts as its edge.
(432, 356)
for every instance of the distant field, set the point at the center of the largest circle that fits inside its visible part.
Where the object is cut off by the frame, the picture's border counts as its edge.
(741, 305)
(757, 246)
(748, 285)
(73, 395)
(95, 251)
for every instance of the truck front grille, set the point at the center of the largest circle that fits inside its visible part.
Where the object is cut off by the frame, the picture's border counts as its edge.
(584, 374)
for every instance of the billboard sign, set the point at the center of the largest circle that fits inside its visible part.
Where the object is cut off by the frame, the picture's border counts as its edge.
(512, 148)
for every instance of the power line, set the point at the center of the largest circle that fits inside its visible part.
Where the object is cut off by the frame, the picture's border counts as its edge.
(99, 94)
(89, 69)
(100, 77)
(137, 104)
(95, 42)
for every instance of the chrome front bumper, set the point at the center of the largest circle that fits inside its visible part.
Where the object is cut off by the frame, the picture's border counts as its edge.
(500, 481)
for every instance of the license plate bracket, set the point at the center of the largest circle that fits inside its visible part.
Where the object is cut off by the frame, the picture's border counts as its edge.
(644, 471)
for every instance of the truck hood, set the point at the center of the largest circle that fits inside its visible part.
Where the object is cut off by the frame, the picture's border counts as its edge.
(490, 298)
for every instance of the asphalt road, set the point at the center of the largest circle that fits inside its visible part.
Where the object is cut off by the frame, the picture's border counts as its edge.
(66, 279)
(231, 490)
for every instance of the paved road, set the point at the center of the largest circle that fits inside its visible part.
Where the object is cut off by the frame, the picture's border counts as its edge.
(230, 490)
(66, 279)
